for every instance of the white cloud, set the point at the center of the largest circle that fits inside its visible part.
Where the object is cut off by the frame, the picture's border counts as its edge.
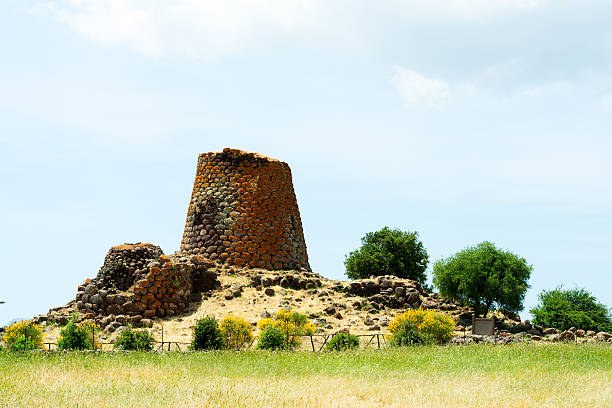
(461, 9)
(196, 28)
(213, 28)
(416, 89)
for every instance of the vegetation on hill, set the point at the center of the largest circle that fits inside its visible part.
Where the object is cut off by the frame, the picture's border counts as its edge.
(420, 327)
(564, 309)
(484, 276)
(290, 324)
(206, 335)
(23, 335)
(388, 252)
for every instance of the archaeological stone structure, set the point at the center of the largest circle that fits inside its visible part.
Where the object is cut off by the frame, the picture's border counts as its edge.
(243, 212)
(138, 281)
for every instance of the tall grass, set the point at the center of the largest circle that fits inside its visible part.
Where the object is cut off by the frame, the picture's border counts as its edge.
(480, 375)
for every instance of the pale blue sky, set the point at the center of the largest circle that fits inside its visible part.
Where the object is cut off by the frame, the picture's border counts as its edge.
(463, 120)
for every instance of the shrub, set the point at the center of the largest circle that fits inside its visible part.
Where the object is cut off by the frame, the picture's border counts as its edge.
(271, 338)
(130, 339)
(206, 335)
(563, 309)
(23, 335)
(91, 330)
(408, 335)
(484, 276)
(342, 341)
(291, 324)
(432, 326)
(388, 252)
(236, 332)
(75, 337)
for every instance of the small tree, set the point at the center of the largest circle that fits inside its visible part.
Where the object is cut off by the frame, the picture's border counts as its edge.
(388, 252)
(563, 309)
(484, 276)
(206, 335)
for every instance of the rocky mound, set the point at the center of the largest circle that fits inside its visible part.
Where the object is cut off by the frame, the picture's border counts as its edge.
(138, 282)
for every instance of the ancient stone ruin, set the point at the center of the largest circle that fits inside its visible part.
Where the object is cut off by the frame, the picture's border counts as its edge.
(244, 212)
(137, 281)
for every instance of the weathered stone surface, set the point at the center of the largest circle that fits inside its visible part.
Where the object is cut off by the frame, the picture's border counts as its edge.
(550, 330)
(566, 336)
(244, 212)
(139, 280)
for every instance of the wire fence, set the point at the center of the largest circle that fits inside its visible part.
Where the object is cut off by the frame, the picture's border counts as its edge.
(314, 343)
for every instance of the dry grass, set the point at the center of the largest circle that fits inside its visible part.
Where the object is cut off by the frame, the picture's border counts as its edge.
(522, 375)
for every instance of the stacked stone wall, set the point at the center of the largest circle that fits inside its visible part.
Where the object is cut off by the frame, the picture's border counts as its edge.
(243, 212)
(138, 281)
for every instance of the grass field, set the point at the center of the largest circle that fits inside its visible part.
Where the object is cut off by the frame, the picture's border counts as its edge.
(521, 375)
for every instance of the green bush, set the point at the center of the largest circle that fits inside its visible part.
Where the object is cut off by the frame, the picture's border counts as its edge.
(342, 341)
(23, 335)
(206, 335)
(271, 338)
(408, 335)
(74, 337)
(130, 339)
(578, 308)
(388, 252)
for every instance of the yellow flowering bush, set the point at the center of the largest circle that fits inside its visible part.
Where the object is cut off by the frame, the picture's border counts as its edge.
(23, 335)
(291, 324)
(437, 326)
(236, 332)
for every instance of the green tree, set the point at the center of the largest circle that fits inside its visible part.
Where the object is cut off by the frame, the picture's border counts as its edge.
(484, 276)
(563, 309)
(388, 252)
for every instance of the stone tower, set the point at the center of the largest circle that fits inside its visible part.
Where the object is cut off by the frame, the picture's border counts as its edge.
(244, 212)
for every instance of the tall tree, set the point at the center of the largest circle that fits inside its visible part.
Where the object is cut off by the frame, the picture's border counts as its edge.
(484, 276)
